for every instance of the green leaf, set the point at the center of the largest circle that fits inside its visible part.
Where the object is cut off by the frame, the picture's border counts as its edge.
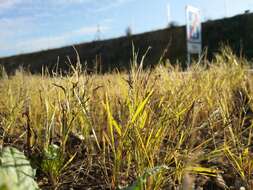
(16, 172)
(53, 160)
(141, 107)
(141, 181)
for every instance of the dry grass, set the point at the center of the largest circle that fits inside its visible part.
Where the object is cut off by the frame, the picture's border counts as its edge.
(159, 129)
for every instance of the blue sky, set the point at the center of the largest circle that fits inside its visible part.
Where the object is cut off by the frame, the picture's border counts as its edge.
(32, 25)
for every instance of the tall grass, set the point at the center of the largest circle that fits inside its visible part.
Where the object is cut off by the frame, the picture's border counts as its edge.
(165, 127)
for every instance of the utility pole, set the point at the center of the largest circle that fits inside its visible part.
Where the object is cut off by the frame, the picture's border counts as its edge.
(132, 25)
(168, 13)
(98, 32)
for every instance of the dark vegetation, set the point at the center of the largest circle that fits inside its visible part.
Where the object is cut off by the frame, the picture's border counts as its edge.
(106, 55)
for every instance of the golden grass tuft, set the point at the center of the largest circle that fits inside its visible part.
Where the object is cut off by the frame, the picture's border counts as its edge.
(111, 129)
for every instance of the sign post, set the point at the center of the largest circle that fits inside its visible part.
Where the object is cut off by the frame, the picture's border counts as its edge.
(193, 32)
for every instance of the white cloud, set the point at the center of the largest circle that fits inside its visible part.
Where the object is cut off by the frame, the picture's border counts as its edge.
(73, 1)
(5, 4)
(15, 27)
(14, 23)
(39, 44)
(43, 43)
(21, 32)
(87, 30)
(110, 5)
(98, 5)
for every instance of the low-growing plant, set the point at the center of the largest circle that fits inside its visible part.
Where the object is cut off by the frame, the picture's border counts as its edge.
(52, 162)
(16, 172)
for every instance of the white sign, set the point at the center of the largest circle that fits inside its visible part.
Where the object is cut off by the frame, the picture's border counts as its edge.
(193, 30)
(169, 13)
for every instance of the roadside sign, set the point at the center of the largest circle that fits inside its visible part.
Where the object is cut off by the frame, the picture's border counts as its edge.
(193, 30)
